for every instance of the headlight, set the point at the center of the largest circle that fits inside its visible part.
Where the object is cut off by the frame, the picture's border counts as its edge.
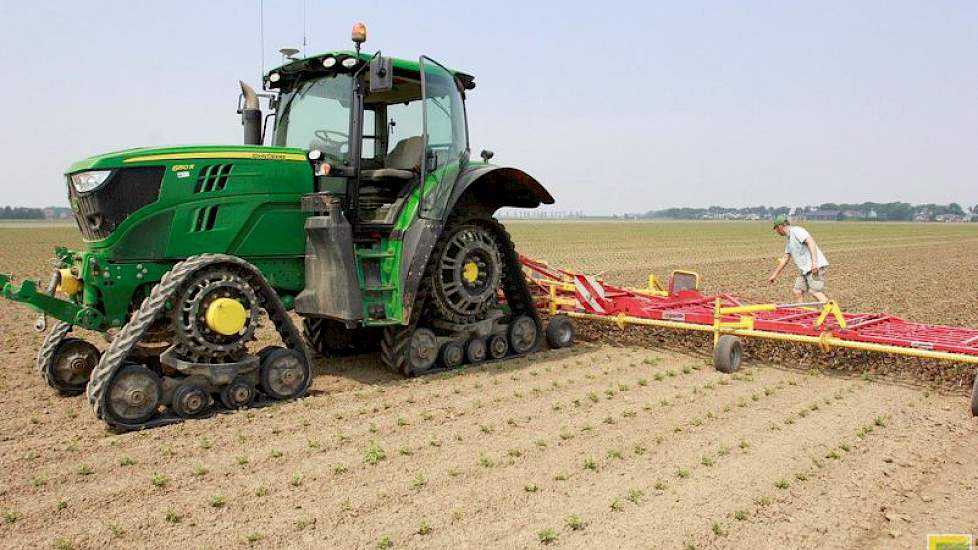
(89, 181)
(349, 62)
(328, 62)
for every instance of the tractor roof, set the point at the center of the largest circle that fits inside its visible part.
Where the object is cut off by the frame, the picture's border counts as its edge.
(314, 64)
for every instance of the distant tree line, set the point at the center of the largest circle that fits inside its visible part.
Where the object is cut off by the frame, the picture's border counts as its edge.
(26, 213)
(21, 213)
(889, 211)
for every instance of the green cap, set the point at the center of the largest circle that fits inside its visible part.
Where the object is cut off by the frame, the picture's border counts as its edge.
(780, 220)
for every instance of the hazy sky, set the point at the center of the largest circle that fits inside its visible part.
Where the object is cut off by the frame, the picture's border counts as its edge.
(614, 106)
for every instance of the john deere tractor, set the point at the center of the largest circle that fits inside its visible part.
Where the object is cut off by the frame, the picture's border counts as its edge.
(365, 216)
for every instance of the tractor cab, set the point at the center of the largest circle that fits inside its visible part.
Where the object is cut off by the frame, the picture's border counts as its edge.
(376, 129)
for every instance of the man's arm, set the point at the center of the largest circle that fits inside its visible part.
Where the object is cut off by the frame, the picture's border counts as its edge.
(813, 248)
(779, 269)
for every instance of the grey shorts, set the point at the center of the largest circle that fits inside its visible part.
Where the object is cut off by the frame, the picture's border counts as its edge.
(812, 281)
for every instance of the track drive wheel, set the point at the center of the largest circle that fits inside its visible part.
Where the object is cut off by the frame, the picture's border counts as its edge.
(284, 374)
(133, 395)
(452, 355)
(560, 331)
(189, 400)
(467, 271)
(70, 366)
(727, 354)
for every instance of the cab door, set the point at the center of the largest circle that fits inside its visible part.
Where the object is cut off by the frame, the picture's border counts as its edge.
(446, 139)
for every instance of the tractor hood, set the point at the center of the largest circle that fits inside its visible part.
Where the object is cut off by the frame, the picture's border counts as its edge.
(157, 155)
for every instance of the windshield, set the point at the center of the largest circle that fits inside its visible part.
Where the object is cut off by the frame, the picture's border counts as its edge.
(317, 116)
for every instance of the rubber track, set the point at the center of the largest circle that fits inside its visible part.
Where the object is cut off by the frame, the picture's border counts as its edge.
(512, 281)
(46, 352)
(153, 306)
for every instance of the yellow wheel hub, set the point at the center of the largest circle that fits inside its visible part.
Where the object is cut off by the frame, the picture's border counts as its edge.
(470, 272)
(226, 316)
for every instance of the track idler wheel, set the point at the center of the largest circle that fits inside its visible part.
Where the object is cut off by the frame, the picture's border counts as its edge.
(727, 354)
(237, 395)
(475, 350)
(560, 331)
(452, 355)
(133, 395)
(498, 346)
(523, 334)
(422, 351)
(284, 374)
(70, 366)
(190, 400)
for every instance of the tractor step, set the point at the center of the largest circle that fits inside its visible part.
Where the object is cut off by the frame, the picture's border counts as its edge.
(367, 253)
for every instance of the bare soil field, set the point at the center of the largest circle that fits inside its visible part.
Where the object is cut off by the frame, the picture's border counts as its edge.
(623, 440)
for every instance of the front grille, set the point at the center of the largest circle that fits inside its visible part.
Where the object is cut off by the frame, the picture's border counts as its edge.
(99, 212)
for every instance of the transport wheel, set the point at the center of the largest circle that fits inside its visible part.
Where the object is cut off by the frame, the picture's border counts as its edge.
(560, 331)
(475, 350)
(237, 395)
(974, 397)
(523, 334)
(189, 400)
(422, 351)
(133, 395)
(727, 354)
(284, 374)
(452, 355)
(498, 346)
(70, 366)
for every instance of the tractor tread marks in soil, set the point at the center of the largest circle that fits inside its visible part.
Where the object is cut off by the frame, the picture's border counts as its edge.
(396, 340)
(114, 359)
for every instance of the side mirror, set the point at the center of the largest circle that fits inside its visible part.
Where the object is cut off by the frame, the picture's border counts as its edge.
(381, 74)
(486, 155)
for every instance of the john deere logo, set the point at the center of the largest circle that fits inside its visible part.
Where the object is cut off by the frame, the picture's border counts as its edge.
(949, 542)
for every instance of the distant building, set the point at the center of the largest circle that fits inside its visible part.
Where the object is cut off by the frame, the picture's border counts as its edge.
(853, 215)
(823, 215)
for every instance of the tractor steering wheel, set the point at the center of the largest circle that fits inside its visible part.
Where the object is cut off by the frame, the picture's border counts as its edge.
(331, 143)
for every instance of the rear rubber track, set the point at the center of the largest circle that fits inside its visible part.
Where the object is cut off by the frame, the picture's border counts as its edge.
(153, 307)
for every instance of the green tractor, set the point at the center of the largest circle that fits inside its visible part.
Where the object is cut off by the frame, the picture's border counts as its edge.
(365, 217)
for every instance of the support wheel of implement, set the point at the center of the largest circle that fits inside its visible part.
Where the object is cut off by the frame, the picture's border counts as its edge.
(475, 350)
(452, 355)
(560, 331)
(237, 395)
(974, 397)
(422, 351)
(523, 334)
(68, 369)
(727, 354)
(498, 346)
(189, 400)
(133, 395)
(284, 374)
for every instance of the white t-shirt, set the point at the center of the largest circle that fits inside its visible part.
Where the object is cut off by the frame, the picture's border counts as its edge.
(798, 249)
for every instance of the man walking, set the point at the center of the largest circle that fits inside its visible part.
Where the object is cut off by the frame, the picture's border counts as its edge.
(812, 265)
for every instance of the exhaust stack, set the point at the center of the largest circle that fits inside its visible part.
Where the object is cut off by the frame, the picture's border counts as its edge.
(251, 115)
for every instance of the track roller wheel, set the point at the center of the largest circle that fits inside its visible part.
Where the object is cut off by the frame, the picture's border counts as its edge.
(475, 350)
(189, 400)
(70, 366)
(560, 331)
(974, 397)
(727, 354)
(262, 353)
(421, 352)
(237, 395)
(523, 334)
(284, 374)
(133, 395)
(452, 355)
(498, 346)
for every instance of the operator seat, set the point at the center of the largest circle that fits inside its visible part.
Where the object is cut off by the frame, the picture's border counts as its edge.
(402, 163)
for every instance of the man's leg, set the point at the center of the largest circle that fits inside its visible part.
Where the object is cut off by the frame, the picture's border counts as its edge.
(820, 296)
(817, 285)
(800, 287)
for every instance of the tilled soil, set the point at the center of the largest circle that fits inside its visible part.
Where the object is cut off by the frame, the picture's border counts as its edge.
(600, 445)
